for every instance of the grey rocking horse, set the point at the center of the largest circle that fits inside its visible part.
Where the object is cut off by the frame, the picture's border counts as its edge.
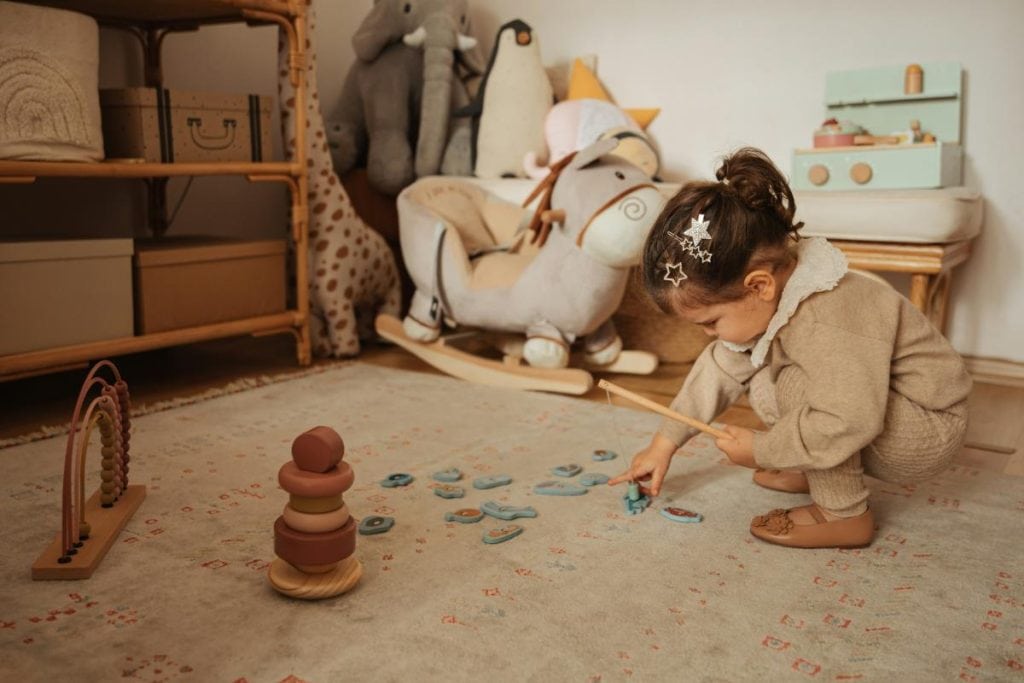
(547, 276)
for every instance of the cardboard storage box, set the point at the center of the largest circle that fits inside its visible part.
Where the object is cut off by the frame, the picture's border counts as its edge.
(877, 100)
(64, 292)
(190, 281)
(161, 125)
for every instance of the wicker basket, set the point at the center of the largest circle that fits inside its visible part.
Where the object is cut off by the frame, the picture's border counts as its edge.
(643, 326)
(49, 71)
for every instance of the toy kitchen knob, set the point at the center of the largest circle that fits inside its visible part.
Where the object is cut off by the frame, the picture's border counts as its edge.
(817, 174)
(860, 173)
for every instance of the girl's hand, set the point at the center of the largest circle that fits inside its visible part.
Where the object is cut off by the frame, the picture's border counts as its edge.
(650, 464)
(740, 447)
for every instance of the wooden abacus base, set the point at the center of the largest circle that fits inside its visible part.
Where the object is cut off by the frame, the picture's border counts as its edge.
(105, 526)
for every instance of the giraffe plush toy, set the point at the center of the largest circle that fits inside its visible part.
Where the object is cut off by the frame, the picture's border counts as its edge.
(352, 272)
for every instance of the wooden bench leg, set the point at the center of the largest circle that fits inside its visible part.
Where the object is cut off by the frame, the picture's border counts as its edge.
(938, 298)
(930, 295)
(919, 285)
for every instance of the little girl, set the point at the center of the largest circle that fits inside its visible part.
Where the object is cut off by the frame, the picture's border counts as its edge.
(850, 378)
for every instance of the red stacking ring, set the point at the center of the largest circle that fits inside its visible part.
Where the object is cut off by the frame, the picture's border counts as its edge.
(299, 548)
(315, 484)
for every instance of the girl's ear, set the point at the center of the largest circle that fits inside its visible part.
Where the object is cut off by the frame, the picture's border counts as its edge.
(761, 283)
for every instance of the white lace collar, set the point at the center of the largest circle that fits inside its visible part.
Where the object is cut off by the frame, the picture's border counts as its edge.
(819, 268)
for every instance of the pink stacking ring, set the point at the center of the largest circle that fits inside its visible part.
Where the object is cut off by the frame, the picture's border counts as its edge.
(315, 484)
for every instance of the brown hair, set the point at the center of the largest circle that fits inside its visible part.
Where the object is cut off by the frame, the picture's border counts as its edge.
(750, 213)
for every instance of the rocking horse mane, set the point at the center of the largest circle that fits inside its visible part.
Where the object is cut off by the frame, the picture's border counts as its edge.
(540, 223)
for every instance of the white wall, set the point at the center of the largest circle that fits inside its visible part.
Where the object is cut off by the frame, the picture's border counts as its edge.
(734, 73)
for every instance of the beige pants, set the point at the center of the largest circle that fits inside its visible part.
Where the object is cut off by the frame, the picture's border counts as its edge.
(915, 443)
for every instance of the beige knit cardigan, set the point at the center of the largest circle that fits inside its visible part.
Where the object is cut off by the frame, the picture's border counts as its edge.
(854, 339)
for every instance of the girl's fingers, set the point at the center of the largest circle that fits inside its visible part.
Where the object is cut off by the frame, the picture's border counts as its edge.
(619, 479)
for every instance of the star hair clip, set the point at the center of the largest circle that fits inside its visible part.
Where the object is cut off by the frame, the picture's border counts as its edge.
(678, 276)
(697, 233)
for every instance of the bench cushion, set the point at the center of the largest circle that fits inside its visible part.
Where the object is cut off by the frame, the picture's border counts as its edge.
(939, 216)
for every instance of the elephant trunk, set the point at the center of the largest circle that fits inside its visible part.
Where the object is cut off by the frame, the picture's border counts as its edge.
(434, 111)
(439, 38)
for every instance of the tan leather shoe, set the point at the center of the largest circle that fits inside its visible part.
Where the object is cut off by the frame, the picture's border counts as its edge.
(779, 527)
(790, 481)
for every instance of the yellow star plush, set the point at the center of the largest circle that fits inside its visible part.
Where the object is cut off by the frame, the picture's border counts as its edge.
(583, 84)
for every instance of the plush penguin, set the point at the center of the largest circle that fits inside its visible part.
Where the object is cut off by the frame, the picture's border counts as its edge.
(514, 98)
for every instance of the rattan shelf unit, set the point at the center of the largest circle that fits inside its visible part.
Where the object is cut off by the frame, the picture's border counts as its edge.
(151, 21)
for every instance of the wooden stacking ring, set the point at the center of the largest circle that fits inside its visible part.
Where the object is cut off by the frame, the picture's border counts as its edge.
(298, 548)
(315, 484)
(315, 523)
(315, 506)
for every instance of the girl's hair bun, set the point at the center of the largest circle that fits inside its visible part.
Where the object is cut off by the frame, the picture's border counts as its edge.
(753, 178)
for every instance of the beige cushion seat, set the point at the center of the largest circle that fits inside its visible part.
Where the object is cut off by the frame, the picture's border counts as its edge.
(489, 227)
(940, 216)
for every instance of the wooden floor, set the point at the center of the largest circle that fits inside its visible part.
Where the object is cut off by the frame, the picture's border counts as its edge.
(995, 437)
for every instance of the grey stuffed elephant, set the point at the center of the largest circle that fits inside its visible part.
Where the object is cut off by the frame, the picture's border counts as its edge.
(400, 92)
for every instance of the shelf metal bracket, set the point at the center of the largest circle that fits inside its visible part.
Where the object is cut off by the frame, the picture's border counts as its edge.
(152, 40)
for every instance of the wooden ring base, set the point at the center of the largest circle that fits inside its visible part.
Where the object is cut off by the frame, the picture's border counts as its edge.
(287, 580)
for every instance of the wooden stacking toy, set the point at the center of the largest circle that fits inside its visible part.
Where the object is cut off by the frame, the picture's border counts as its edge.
(315, 536)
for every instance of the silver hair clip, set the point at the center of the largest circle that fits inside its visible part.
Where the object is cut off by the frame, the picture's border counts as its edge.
(675, 279)
(697, 232)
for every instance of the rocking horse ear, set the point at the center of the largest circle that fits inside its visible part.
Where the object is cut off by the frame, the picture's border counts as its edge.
(589, 155)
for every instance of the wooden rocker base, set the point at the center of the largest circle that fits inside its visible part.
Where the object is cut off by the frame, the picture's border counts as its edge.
(509, 372)
(629, 362)
(105, 526)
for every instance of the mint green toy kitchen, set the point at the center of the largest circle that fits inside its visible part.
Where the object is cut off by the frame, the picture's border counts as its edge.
(891, 128)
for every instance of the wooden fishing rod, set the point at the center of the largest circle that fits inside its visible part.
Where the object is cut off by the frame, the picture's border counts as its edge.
(662, 410)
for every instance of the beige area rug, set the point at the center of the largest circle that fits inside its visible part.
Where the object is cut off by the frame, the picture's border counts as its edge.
(586, 593)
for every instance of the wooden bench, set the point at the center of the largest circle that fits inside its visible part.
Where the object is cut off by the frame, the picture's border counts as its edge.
(930, 267)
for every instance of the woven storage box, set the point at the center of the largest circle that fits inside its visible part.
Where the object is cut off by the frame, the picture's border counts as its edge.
(160, 125)
(189, 281)
(64, 292)
(49, 69)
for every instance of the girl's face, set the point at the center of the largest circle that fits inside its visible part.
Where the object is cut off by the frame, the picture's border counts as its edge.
(737, 321)
(742, 320)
